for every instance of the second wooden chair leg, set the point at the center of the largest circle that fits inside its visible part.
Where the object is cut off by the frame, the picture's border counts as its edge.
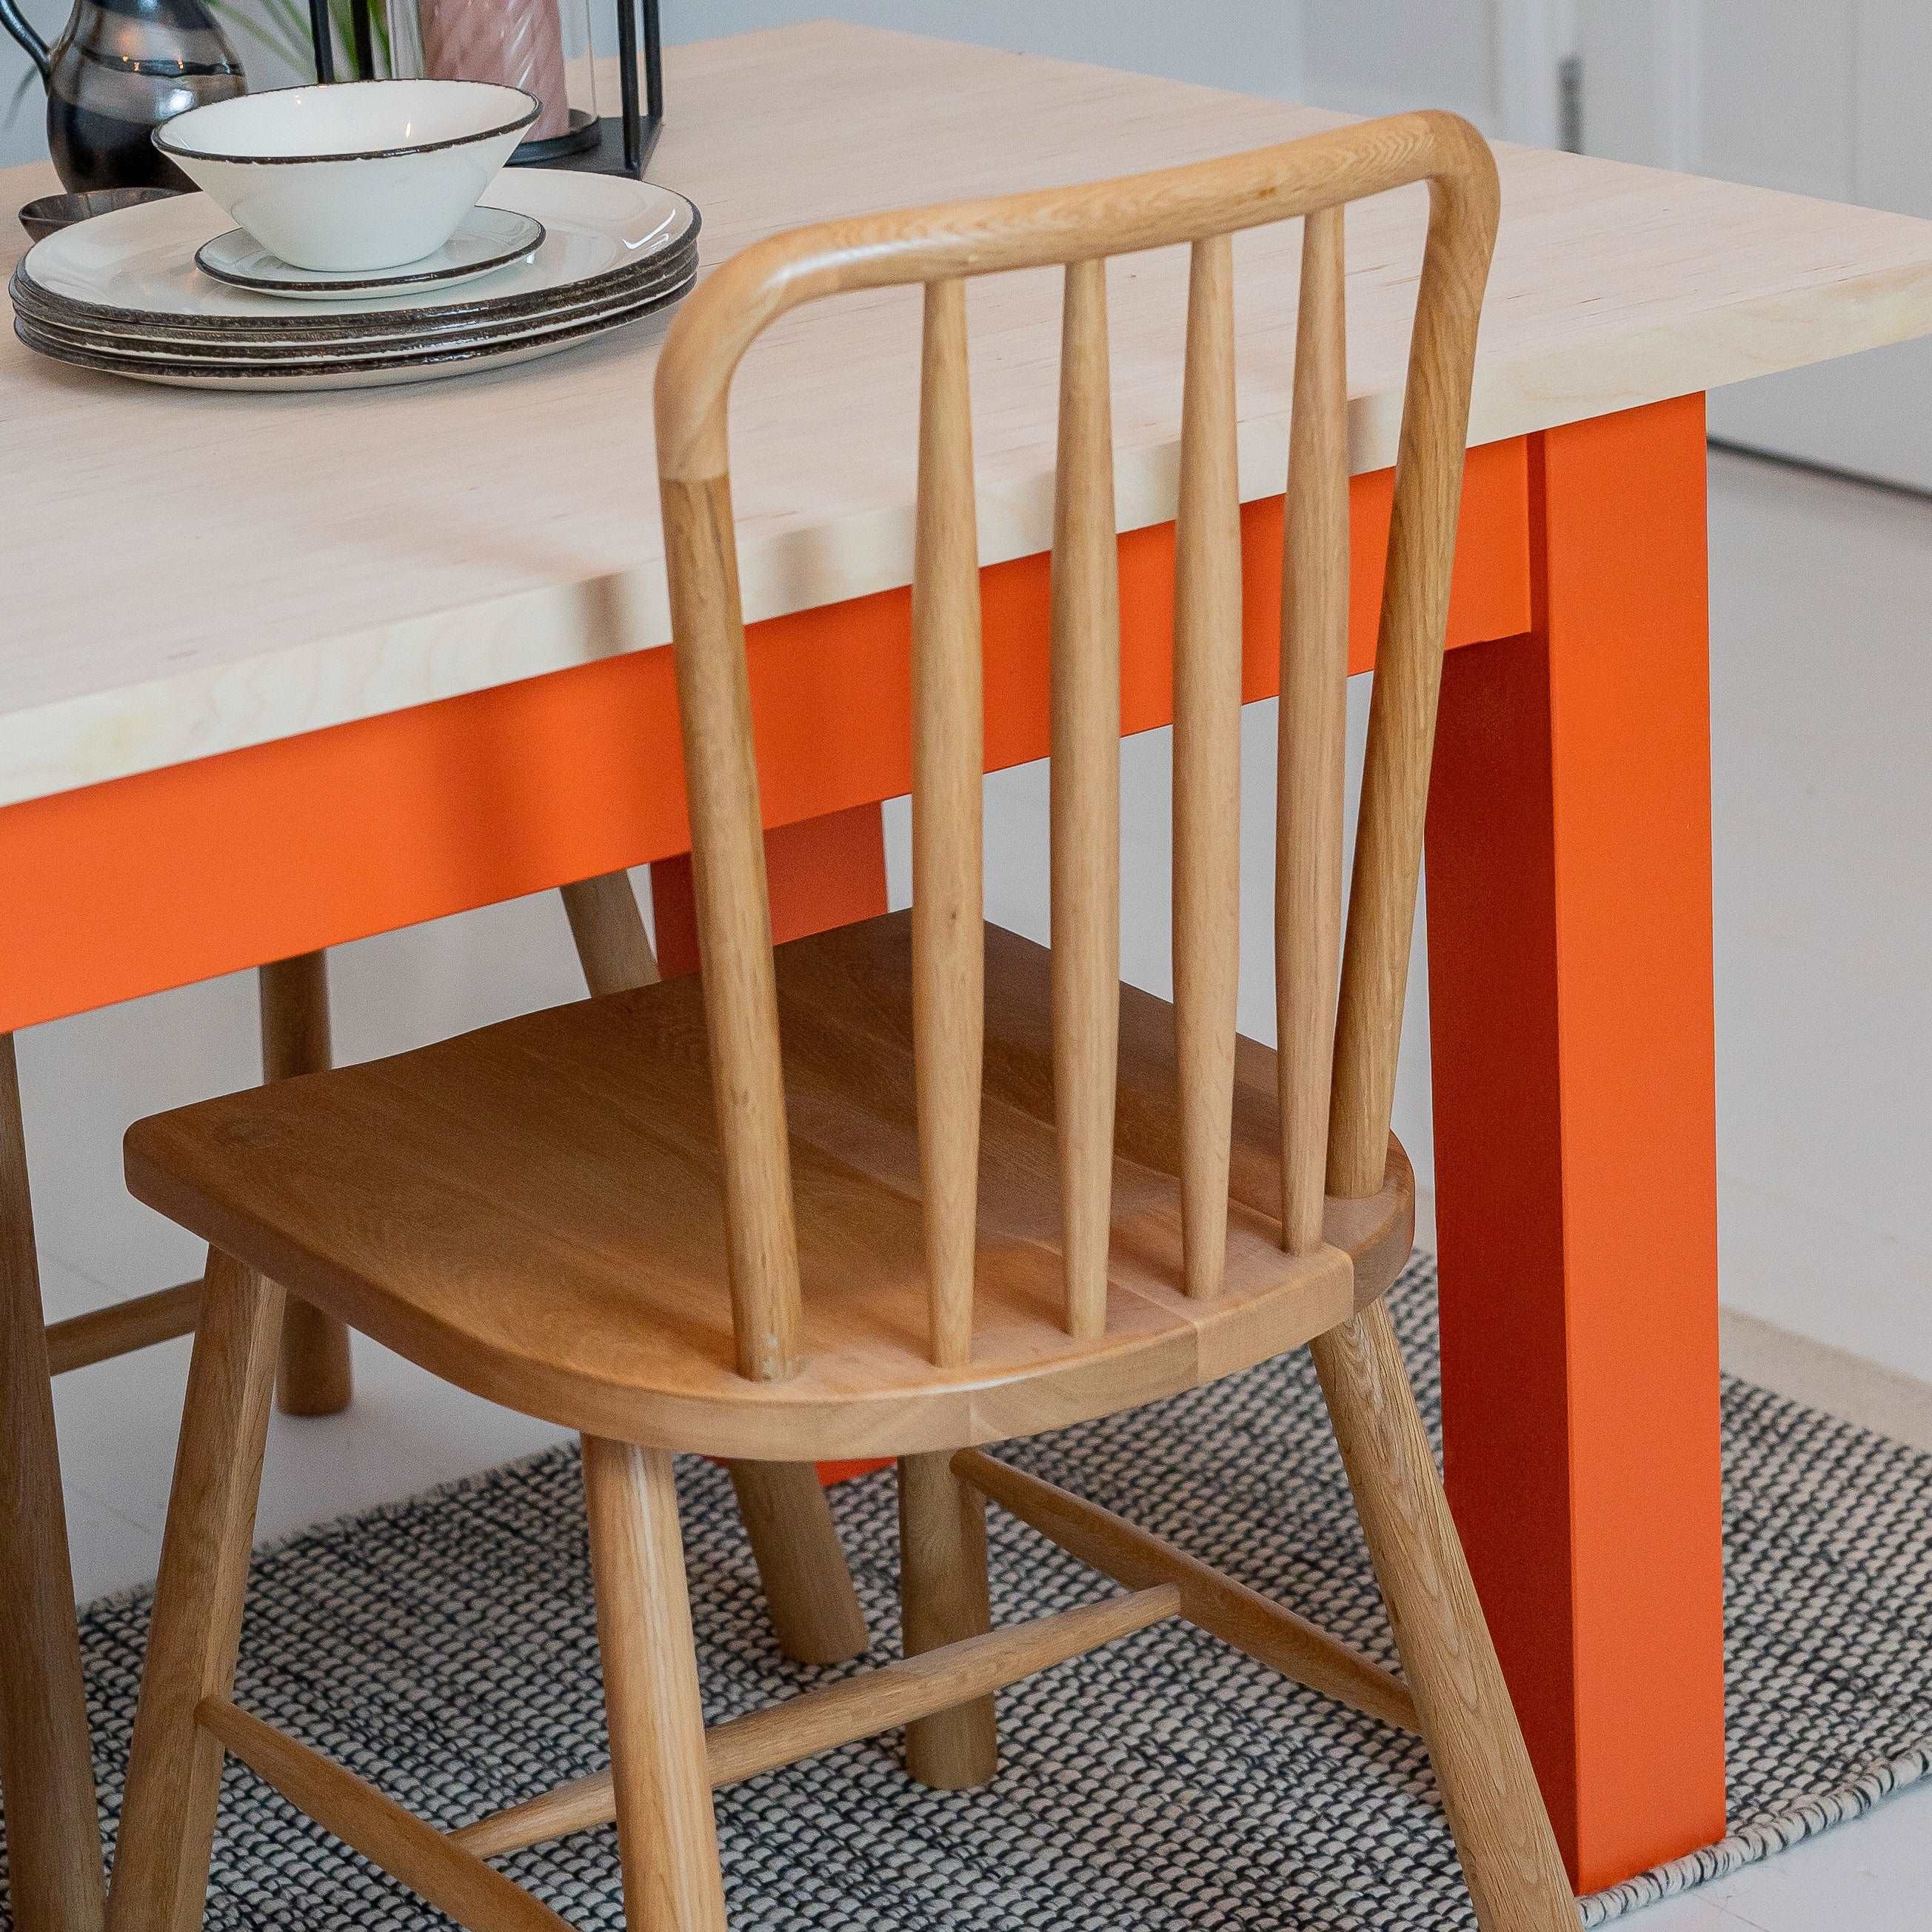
(316, 1377)
(943, 1593)
(808, 1593)
(46, 1769)
(667, 1832)
(1515, 1872)
(814, 1609)
(174, 1772)
(613, 947)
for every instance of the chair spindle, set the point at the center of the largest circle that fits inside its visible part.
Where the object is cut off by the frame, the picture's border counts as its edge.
(1207, 764)
(1311, 774)
(1086, 798)
(948, 948)
(734, 922)
(1409, 678)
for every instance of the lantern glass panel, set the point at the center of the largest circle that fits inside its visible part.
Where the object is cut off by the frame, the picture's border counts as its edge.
(543, 47)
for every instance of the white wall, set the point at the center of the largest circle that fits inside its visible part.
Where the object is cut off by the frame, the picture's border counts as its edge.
(1364, 55)
(22, 129)
(1250, 43)
(1822, 97)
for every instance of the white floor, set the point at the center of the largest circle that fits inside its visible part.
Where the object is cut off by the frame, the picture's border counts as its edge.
(1812, 958)
(1874, 1876)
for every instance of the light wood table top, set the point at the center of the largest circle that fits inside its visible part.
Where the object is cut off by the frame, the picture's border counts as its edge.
(184, 574)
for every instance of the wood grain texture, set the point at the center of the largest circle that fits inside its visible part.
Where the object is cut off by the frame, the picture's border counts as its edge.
(949, 758)
(943, 1601)
(838, 1713)
(1085, 781)
(813, 1608)
(667, 1835)
(734, 924)
(916, 1687)
(453, 1880)
(1207, 925)
(46, 1768)
(1265, 1631)
(1615, 286)
(808, 1590)
(420, 1196)
(1516, 1876)
(122, 1327)
(1409, 672)
(1311, 770)
(315, 1377)
(1077, 228)
(174, 1770)
(607, 928)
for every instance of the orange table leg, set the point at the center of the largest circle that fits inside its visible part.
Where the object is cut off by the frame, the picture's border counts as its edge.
(1570, 1004)
(821, 873)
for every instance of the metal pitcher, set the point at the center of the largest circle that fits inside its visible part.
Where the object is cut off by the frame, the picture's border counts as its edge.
(119, 68)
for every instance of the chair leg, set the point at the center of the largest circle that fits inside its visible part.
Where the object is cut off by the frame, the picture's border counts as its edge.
(667, 1833)
(613, 947)
(46, 1770)
(814, 1609)
(174, 1773)
(316, 1377)
(809, 1593)
(943, 1597)
(1515, 1873)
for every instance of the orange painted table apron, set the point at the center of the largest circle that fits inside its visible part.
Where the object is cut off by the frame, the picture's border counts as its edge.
(1570, 992)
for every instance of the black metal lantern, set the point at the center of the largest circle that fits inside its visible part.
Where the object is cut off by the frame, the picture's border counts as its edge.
(542, 45)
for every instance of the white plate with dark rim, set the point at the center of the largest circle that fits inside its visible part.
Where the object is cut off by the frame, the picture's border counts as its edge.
(391, 332)
(431, 364)
(148, 340)
(311, 355)
(134, 268)
(486, 239)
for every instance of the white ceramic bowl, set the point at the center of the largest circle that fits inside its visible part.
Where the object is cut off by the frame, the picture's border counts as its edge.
(364, 174)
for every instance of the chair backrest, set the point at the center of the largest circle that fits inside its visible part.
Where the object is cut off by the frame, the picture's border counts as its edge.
(1340, 1014)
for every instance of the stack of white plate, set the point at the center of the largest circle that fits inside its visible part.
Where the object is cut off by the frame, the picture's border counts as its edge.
(169, 292)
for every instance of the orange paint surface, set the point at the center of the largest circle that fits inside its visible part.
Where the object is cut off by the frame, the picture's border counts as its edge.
(1572, 1044)
(124, 888)
(819, 873)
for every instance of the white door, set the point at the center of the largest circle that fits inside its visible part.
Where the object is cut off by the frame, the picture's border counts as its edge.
(1826, 97)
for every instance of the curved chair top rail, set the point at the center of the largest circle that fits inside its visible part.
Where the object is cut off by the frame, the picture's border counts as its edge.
(1339, 1005)
(1050, 227)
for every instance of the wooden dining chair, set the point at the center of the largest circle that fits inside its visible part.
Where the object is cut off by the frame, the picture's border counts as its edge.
(46, 1782)
(985, 1190)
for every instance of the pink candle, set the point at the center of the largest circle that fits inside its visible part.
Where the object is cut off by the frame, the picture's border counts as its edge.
(515, 43)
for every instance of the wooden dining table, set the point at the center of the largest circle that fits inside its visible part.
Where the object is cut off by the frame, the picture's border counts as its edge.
(277, 672)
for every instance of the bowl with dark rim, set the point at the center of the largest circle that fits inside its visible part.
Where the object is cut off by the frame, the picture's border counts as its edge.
(358, 175)
(53, 212)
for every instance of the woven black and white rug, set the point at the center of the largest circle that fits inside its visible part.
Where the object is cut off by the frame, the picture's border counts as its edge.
(445, 1650)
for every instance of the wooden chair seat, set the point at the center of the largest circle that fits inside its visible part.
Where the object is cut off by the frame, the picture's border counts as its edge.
(533, 1210)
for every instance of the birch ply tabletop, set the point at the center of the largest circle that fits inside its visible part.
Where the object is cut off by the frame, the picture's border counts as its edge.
(182, 574)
